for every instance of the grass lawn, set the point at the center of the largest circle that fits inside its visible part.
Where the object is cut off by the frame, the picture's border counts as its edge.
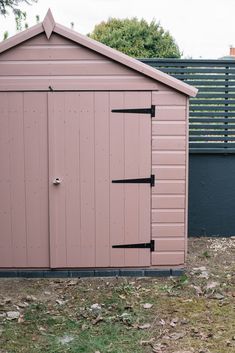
(191, 313)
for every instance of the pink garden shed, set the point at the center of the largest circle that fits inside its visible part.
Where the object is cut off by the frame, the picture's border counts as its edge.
(93, 156)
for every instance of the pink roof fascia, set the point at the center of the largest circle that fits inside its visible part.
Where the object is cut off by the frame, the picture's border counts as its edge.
(126, 60)
(48, 26)
(21, 37)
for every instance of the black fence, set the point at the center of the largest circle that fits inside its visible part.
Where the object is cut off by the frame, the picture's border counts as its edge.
(212, 112)
(211, 142)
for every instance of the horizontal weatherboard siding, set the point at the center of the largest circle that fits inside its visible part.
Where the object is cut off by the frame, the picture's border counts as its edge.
(169, 145)
(62, 65)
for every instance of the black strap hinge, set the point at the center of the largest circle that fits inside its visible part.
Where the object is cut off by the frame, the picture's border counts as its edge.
(150, 111)
(136, 246)
(150, 181)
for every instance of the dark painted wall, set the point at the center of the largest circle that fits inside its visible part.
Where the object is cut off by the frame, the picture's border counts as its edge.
(211, 194)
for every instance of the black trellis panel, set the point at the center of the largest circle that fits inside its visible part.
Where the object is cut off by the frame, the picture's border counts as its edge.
(214, 104)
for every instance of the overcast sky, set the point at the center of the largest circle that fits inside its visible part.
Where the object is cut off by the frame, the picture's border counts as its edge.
(201, 28)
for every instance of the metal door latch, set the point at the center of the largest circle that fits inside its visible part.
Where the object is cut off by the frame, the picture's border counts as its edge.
(57, 181)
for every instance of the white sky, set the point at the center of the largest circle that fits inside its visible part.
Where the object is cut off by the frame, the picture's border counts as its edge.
(201, 28)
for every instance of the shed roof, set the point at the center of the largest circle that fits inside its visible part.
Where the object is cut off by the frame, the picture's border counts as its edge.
(49, 26)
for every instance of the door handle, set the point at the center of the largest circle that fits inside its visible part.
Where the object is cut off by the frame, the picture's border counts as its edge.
(57, 181)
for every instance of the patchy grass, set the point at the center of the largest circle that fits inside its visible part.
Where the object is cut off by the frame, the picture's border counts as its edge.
(192, 313)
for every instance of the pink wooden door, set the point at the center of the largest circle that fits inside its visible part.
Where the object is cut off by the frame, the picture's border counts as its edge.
(89, 146)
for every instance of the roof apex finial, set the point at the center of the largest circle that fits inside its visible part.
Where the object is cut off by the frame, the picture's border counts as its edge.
(48, 23)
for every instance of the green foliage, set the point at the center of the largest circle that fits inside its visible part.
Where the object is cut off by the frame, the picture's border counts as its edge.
(5, 35)
(20, 18)
(136, 38)
(13, 5)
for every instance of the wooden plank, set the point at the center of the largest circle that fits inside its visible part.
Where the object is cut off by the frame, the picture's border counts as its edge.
(226, 132)
(132, 149)
(171, 113)
(172, 143)
(87, 175)
(17, 178)
(41, 39)
(64, 68)
(168, 230)
(170, 244)
(79, 83)
(168, 258)
(144, 154)
(57, 193)
(168, 201)
(209, 107)
(169, 172)
(173, 98)
(212, 114)
(6, 259)
(169, 187)
(211, 126)
(50, 53)
(168, 158)
(102, 178)
(168, 128)
(72, 178)
(36, 178)
(117, 196)
(168, 216)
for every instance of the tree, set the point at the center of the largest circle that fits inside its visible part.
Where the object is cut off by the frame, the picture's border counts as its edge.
(136, 38)
(21, 23)
(13, 5)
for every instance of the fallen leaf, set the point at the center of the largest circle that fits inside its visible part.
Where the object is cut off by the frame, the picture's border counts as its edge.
(42, 329)
(121, 296)
(183, 352)
(159, 347)
(20, 319)
(31, 298)
(61, 302)
(144, 326)
(66, 339)
(212, 285)
(13, 315)
(218, 296)
(162, 322)
(98, 319)
(146, 343)
(95, 307)
(184, 322)
(197, 289)
(22, 305)
(84, 327)
(177, 335)
(174, 322)
(147, 306)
